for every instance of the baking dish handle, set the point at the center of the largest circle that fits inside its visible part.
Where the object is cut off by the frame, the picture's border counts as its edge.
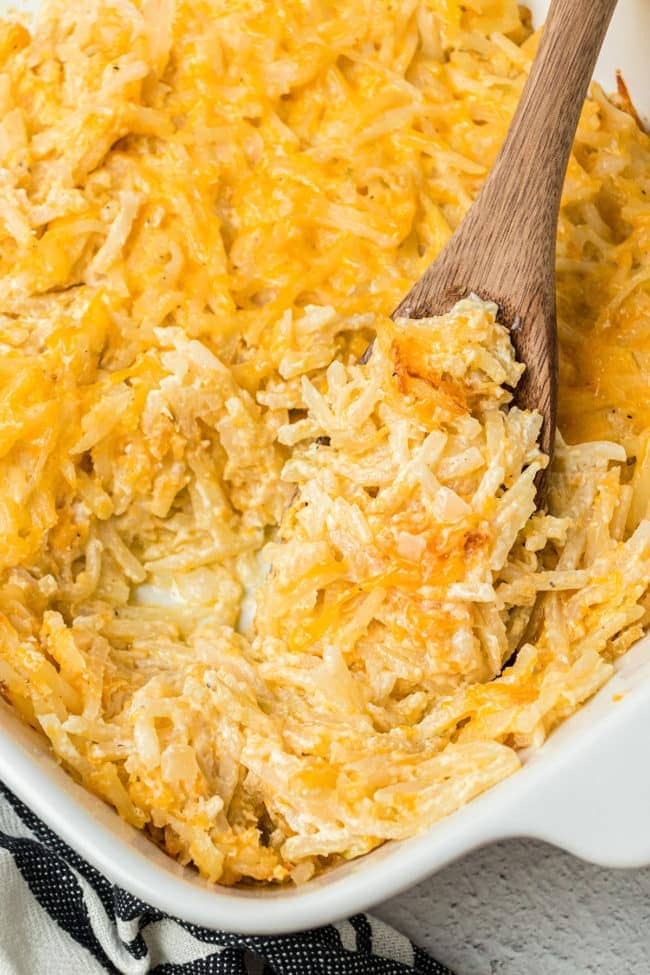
(589, 788)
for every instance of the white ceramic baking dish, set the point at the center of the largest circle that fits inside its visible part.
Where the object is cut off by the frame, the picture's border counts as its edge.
(586, 790)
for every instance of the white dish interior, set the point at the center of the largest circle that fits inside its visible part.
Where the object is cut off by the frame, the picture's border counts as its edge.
(587, 789)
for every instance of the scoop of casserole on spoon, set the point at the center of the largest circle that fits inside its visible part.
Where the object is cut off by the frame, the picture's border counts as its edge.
(504, 250)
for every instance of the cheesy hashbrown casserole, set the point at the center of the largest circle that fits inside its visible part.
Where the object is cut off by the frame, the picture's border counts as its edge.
(260, 596)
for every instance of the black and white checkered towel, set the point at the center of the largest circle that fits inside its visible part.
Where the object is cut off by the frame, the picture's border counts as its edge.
(59, 916)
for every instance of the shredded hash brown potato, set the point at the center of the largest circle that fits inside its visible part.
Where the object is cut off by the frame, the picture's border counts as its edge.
(208, 209)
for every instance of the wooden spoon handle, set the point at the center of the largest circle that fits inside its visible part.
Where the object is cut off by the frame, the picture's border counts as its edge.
(525, 184)
(508, 237)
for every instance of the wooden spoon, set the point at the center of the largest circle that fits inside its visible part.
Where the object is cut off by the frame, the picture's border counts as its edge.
(504, 250)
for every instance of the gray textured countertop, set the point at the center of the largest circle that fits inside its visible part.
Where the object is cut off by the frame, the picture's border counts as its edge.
(524, 908)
